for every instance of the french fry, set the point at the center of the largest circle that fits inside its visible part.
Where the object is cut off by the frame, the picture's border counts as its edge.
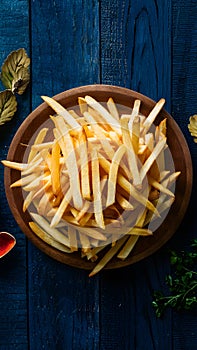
(92, 253)
(86, 178)
(85, 182)
(98, 211)
(132, 160)
(135, 112)
(36, 182)
(159, 186)
(113, 172)
(57, 235)
(108, 256)
(152, 115)
(59, 109)
(67, 148)
(153, 156)
(23, 181)
(128, 247)
(47, 238)
(107, 117)
(112, 108)
(100, 135)
(55, 168)
(72, 236)
(39, 139)
(93, 233)
(82, 104)
(14, 165)
(124, 203)
(28, 200)
(61, 209)
(126, 185)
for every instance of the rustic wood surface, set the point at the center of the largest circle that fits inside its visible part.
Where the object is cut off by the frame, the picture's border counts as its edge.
(148, 46)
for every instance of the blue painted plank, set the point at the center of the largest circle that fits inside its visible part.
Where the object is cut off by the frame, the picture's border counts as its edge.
(184, 104)
(136, 53)
(14, 33)
(63, 301)
(65, 45)
(136, 46)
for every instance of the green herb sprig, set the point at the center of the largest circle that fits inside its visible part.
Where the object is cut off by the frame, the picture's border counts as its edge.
(182, 283)
(15, 77)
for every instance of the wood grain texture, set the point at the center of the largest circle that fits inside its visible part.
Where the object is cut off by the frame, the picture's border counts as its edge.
(14, 33)
(149, 46)
(65, 45)
(184, 104)
(136, 52)
(63, 301)
(135, 46)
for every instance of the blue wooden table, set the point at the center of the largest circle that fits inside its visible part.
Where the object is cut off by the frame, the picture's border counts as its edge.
(149, 46)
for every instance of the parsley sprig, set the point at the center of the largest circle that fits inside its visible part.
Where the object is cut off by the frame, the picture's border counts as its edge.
(182, 283)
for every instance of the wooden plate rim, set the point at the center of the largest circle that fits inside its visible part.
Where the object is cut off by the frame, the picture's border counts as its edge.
(74, 259)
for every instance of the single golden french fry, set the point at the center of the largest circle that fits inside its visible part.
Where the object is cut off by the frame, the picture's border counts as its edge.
(40, 146)
(163, 127)
(112, 108)
(82, 104)
(39, 139)
(55, 168)
(159, 186)
(14, 165)
(59, 109)
(61, 209)
(33, 186)
(23, 181)
(128, 247)
(85, 178)
(136, 134)
(113, 172)
(98, 211)
(68, 150)
(149, 141)
(152, 115)
(139, 231)
(108, 256)
(28, 200)
(72, 236)
(124, 203)
(134, 114)
(132, 159)
(92, 253)
(153, 156)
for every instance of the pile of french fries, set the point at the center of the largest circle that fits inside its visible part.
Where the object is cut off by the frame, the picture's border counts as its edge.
(96, 179)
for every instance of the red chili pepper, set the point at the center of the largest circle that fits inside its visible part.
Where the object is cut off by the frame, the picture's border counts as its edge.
(7, 242)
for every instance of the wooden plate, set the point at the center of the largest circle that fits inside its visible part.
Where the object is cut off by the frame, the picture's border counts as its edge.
(178, 147)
